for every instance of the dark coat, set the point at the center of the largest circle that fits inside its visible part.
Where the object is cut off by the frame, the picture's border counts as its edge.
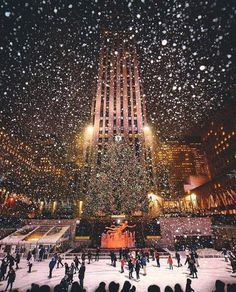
(81, 272)
(11, 276)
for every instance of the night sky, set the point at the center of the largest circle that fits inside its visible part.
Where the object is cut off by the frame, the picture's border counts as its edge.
(49, 54)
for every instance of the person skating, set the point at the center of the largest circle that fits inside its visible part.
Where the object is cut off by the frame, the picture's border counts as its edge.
(194, 271)
(89, 256)
(17, 260)
(232, 260)
(157, 256)
(188, 287)
(114, 260)
(152, 254)
(97, 254)
(30, 263)
(83, 257)
(29, 255)
(187, 260)
(3, 270)
(10, 260)
(131, 268)
(170, 262)
(196, 257)
(59, 261)
(137, 269)
(81, 275)
(122, 262)
(41, 254)
(71, 273)
(51, 265)
(77, 262)
(144, 264)
(177, 256)
(67, 268)
(225, 253)
(147, 255)
(34, 253)
(11, 276)
(120, 253)
(191, 265)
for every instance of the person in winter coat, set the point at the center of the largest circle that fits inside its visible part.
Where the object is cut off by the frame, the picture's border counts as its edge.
(30, 264)
(177, 256)
(144, 265)
(29, 255)
(11, 276)
(191, 265)
(187, 260)
(188, 287)
(194, 271)
(3, 270)
(196, 257)
(157, 256)
(114, 260)
(81, 275)
(59, 261)
(137, 269)
(51, 265)
(170, 262)
(131, 268)
(10, 260)
(71, 273)
(17, 260)
(122, 262)
(89, 256)
(83, 256)
(66, 269)
(77, 262)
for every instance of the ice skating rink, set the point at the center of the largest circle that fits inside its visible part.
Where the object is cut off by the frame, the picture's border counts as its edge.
(209, 271)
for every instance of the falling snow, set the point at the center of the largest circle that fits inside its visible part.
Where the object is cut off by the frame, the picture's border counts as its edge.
(49, 60)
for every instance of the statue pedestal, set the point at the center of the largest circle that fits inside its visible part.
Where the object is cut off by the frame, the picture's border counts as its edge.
(118, 239)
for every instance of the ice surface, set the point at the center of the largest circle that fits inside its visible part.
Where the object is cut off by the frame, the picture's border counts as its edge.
(210, 270)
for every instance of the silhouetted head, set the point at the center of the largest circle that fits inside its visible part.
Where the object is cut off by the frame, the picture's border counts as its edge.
(76, 287)
(178, 288)
(126, 286)
(168, 289)
(113, 287)
(220, 286)
(189, 281)
(154, 288)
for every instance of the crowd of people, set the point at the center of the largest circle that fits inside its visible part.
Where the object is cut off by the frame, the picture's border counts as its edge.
(127, 287)
(134, 261)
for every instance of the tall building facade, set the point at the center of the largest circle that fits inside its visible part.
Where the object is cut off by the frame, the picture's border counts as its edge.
(218, 135)
(118, 109)
(186, 163)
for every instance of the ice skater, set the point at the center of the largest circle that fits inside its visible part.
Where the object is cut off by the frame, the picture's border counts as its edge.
(59, 261)
(137, 269)
(122, 263)
(11, 276)
(177, 256)
(131, 268)
(170, 262)
(51, 265)
(81, 275)
(157, 256)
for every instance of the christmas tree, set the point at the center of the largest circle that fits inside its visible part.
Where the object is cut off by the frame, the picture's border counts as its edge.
(119, 184)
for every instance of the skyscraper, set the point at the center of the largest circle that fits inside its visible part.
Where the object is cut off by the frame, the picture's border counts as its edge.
(118, 109)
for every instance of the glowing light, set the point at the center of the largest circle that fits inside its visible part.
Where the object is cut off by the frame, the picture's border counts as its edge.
(89, 130)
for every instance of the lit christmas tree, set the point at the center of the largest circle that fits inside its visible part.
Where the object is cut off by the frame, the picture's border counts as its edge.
(119, 185)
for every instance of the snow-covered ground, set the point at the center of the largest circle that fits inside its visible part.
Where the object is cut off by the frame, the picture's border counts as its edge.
(209, 271)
